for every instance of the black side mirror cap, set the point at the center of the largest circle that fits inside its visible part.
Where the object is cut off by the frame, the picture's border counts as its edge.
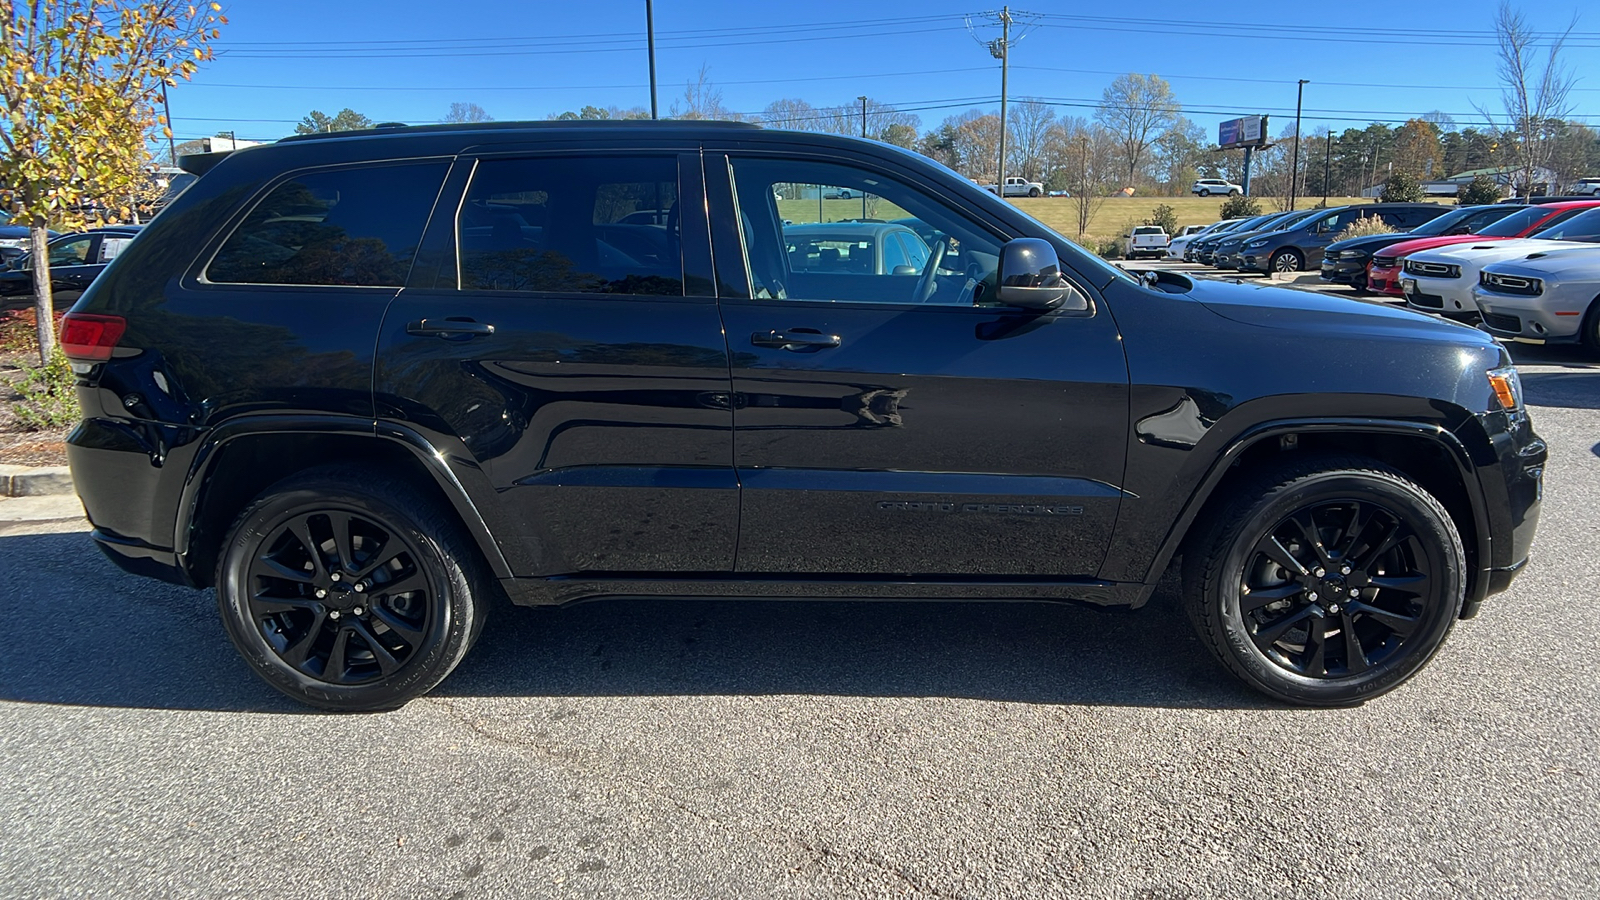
(1030, 277)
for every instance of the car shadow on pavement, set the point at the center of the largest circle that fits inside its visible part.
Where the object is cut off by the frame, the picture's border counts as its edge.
(1573, 390)
(77, 631)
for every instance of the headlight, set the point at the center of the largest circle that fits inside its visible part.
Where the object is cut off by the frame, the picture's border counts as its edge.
(1507, 387)
(1352, 254)
(1254, 244)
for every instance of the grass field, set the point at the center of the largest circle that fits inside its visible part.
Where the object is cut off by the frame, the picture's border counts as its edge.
(1119, 214)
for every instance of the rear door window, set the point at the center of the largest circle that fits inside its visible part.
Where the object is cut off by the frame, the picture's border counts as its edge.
(350, 227)
(591, 225)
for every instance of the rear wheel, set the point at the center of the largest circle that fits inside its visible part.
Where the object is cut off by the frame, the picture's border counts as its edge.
(1327, 581)
(1591, 327)
(349, 591)
(1204, 192)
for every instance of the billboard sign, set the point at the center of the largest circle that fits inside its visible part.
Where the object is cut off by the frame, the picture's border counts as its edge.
(1250, 131)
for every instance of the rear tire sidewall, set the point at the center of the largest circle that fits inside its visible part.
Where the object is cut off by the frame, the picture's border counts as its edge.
(455, 613)
(1445, 557)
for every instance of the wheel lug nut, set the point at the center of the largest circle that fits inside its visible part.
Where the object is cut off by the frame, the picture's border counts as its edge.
(1354, 592)
(1320, 572)
(356, 611)
(360, 587)
(1334, 608)
(321, 593)
(1312, 595)
(334, 614)
(1344, 570)
(334, 576)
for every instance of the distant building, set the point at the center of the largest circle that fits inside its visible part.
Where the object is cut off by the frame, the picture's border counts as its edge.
(1502, 175)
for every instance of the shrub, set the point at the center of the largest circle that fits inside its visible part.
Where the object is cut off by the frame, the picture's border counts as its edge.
(1240, 208)
(1401, 187)
(48, 396)
(1112, 248)
(1481, 190)
(1166, 217)
(1364, 227)
(17, 332)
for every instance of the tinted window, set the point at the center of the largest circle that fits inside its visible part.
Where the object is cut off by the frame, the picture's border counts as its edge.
(1583, 227)
(916, 251)
(1521, 221)
(357, 227)
(598, 225)
(894, 254)
(70, 253)
(805, 243)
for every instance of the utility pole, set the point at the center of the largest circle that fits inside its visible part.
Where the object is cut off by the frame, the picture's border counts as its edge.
(1294, 169)
(650, 38)
(863, 115)
(1327, 160)
(1005, 68)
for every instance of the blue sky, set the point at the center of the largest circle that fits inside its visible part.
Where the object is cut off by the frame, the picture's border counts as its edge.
(407, 60)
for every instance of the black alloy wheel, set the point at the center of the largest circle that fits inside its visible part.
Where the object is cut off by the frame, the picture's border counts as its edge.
(348, 590)
(1325, 582)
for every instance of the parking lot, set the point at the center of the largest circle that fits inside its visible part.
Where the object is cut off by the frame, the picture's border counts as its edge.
(809, 749)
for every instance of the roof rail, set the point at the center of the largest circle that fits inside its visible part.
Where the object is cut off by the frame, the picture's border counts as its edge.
(402, 128)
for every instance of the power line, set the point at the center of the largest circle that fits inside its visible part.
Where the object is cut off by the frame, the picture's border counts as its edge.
(569, 87)
(1167, 29)
(1282, 81)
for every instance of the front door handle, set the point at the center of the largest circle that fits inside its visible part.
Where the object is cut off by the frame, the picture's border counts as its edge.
(795, 339)
(454, 328)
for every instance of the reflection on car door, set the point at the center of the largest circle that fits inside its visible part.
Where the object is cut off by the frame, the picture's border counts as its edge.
(877, 437)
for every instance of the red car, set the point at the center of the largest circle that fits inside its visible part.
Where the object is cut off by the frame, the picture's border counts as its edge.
(1383, 274)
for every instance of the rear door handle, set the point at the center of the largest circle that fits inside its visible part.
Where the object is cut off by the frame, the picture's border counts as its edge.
(455, 329)
(795, 339)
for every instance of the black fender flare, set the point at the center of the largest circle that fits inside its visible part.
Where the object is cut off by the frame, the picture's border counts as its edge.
(432, 458)
(1477, 582)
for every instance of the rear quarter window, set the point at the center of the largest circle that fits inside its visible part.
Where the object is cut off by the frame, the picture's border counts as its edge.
(356, 227)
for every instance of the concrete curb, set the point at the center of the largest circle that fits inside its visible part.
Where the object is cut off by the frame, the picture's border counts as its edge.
(34, 481)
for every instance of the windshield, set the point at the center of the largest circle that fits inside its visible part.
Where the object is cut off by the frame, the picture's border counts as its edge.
(1443, 224)
(1517, 222)
(1584, 228)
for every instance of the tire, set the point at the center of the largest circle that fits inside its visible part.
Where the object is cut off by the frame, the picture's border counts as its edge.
(1286, 261)
(1398, 626)
(1205, 193)
(293, 611)
(1033, 192)
(1591, 327)
(1234, 193)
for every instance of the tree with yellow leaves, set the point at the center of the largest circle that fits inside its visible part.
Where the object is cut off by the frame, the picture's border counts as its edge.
(80, 81)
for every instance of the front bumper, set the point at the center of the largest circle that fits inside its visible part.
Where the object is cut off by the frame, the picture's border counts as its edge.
(1449, 296)
(1384, 280)
(1512, 484)
(1545, 319)
(1344, 271)
(1226, 259)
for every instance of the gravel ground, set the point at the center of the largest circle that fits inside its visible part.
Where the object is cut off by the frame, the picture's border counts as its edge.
(740, 749)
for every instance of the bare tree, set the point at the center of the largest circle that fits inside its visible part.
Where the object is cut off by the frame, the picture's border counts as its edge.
(792, 115)
(1137, 109)
(1029, 133)
(467, 112)
(702, 100)
(1087, 152)
(1535, 95)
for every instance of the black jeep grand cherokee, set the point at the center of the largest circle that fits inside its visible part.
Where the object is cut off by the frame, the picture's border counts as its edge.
(364, 383)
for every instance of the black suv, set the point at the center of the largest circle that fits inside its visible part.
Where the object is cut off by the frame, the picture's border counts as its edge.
(365, 383)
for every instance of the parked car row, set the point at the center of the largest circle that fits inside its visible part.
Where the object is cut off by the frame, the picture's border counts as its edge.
(76, 259)
(1286, 241)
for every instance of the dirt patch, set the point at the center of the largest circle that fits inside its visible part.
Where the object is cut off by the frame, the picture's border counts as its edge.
(18, 353)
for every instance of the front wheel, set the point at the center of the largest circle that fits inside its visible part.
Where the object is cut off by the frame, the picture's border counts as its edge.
(1205, 193)
(1591, 327)
(348, 590)
(1327, 581)
(1233, 193)
(1286, 261)
(1033, 192)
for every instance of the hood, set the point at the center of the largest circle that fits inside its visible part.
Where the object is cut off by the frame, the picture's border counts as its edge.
(1313, 314)
(1369, 243)
(1481, 252)
(1406, 248)
(1574, 262)
(1247, 235)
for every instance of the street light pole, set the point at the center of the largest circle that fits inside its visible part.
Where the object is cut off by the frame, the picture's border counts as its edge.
(1005, 67)
(650, 39)
(1294, 169)
(166, 109)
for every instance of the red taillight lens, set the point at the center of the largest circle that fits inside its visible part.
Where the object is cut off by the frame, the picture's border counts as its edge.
(91, 338)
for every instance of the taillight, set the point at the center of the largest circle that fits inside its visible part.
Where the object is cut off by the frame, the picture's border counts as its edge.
(91, 338)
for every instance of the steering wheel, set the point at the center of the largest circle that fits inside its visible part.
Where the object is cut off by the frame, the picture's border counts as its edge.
(926, 284)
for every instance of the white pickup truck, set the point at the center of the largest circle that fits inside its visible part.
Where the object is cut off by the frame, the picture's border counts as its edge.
(1147, 240)
(1019, 187)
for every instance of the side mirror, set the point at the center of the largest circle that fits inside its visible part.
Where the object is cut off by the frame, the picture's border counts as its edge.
(904, 270)
(1030, 277)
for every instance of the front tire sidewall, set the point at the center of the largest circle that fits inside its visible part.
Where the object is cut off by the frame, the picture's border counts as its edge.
(1445, 558)
(453, 614)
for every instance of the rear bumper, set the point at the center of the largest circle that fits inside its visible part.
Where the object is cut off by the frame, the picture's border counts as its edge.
(138, 558)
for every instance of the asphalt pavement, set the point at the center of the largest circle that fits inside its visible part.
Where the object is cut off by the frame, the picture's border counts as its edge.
(653, 749)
